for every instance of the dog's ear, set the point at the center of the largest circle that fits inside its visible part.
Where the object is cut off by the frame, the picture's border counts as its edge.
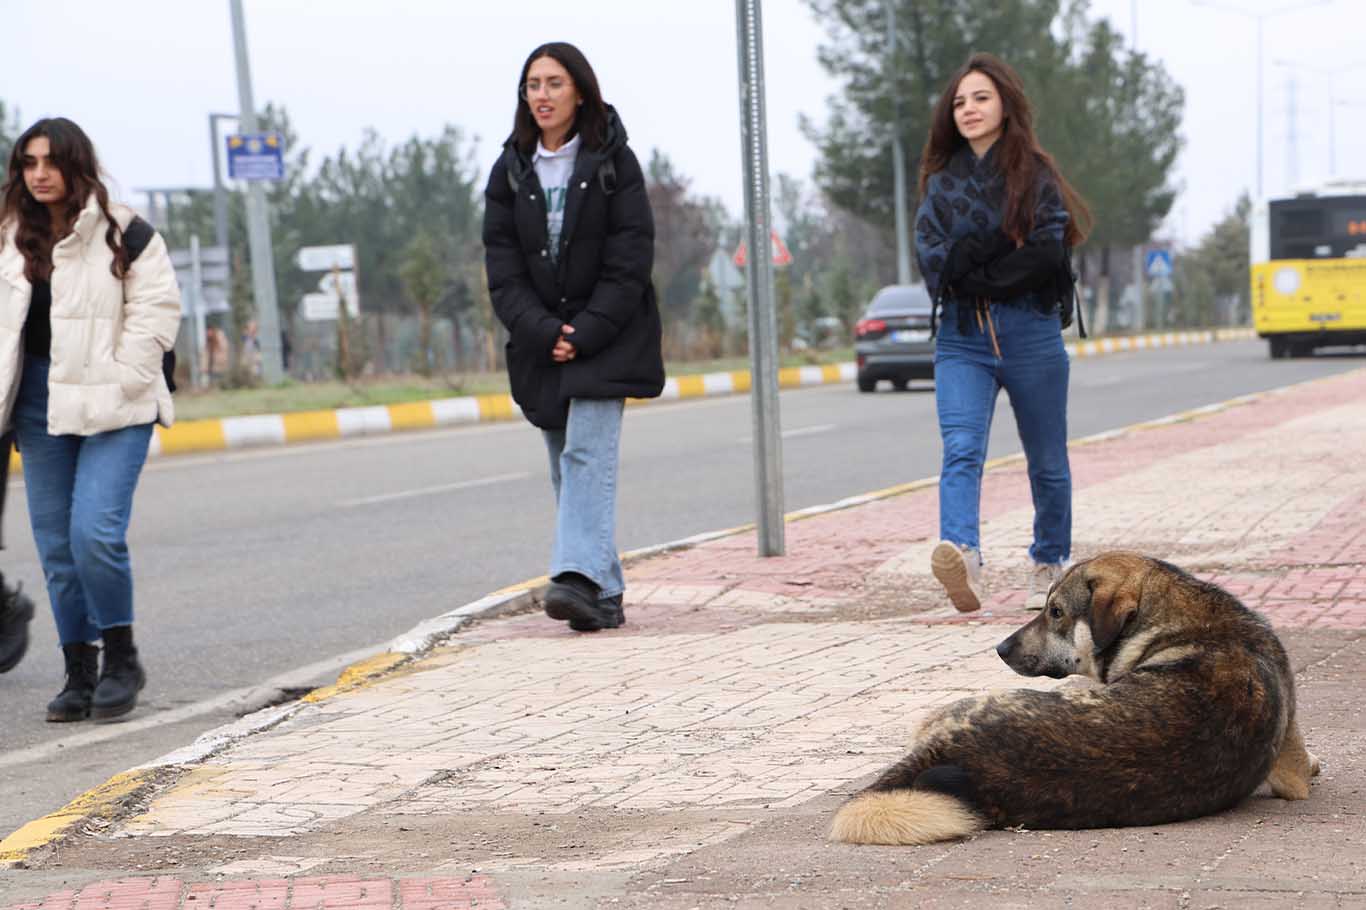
(1114, 601)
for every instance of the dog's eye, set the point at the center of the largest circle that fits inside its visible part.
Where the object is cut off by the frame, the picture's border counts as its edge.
(1055, 612)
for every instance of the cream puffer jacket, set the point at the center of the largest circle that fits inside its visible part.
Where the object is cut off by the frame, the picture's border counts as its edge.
(108, 336)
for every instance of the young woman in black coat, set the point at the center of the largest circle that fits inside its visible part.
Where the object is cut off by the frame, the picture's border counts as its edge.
(569, 247)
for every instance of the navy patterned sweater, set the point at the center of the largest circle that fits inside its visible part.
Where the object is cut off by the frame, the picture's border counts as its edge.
(964, 254)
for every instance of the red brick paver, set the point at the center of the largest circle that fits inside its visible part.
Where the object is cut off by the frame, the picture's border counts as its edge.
(329, 892)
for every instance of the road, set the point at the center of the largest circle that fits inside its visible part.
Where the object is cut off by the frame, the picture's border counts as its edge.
(268, 570)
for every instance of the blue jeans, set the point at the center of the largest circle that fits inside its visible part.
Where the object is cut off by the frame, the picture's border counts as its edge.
(80, 498)
(1033, 369)
(583, 470)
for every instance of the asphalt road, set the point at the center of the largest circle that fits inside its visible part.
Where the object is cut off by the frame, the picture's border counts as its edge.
(264, 570)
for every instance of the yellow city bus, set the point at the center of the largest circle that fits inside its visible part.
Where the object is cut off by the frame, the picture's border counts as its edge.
(1309, 269)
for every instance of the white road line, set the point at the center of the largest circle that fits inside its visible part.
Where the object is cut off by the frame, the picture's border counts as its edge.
(427, 491)
(798, 431)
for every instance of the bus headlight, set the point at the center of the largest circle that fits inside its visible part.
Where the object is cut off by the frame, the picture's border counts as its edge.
(1287, 280)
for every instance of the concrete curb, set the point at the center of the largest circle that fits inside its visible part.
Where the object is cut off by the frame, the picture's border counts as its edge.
(228, 433)
(100, 801)
(407, 648)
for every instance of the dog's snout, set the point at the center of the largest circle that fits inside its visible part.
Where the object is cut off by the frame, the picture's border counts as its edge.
(1005, 647)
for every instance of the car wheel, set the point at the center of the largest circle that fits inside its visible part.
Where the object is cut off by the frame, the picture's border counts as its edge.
(1279, 348)
(899, 384)
(866, 385)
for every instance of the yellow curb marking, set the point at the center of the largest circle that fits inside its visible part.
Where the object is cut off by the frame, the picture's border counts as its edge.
(310, 425)
(357, 673)
(495, 407)
(415, 415)
(192, 436)
(741, 381)
(521, 586)
(102, 800)
(693, 386)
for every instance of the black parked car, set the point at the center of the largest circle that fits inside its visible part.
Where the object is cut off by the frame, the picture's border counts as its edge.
(892, 340)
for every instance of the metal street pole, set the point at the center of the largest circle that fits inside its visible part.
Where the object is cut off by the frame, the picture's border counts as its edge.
(903, 241)
(196, 312)
(220, 192)
(1260, 21)
(1138, 263)
(1261, 17)
(258, 220)
(763, 327)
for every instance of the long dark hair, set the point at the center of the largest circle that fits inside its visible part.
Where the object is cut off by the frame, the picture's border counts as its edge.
(1018, 153)
(35, 235)
(591, 120)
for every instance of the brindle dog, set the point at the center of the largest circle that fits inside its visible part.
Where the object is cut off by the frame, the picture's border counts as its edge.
(1197, 708)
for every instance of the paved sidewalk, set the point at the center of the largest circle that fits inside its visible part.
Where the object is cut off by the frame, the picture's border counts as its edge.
(694, 757)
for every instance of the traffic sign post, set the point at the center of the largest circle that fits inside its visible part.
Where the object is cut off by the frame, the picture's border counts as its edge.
(338, 294)
(763, 329)
(258, 217)
(1158, 266)
(203, 274)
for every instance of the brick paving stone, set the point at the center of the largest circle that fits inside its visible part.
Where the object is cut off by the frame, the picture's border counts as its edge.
(335, 892)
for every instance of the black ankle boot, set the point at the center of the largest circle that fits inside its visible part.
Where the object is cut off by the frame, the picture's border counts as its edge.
(82, 671)
(122, 677)
(610, 615)
(16, 612)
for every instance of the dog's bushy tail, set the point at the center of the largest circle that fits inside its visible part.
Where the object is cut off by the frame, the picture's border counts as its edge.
(909, 817)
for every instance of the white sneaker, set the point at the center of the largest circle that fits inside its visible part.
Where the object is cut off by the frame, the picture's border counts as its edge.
(959, 570)
(1041, 581)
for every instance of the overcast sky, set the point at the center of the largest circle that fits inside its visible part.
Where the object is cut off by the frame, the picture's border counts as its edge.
(141, 76)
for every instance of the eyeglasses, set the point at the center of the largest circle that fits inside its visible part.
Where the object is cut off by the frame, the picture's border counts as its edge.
(554, 88)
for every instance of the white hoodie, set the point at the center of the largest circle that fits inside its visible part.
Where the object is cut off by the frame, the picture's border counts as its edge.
(554, 169)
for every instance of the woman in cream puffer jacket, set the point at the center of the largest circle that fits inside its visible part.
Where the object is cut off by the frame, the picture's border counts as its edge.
(82, 334)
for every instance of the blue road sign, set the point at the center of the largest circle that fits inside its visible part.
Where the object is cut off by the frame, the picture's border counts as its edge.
(1158, 264)
(256, 156)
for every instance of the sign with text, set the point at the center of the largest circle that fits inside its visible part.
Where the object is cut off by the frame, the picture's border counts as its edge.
(325, 258)
(322, 307)
(256, 156)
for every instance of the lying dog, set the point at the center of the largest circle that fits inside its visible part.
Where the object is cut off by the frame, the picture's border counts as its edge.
(1197, 710)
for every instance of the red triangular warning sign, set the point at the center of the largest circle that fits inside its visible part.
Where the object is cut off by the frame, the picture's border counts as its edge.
(779, 251)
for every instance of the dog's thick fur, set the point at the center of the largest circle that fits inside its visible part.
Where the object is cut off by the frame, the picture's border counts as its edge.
(1197, 709)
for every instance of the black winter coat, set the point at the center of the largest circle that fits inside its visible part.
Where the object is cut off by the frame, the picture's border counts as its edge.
(599, 282)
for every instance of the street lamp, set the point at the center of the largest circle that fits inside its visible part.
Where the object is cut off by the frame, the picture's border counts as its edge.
(1261, 16)
(1329, 72)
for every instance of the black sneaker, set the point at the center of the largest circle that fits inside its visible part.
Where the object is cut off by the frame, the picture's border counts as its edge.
(574, 598)
(16, 612)
(611, 616)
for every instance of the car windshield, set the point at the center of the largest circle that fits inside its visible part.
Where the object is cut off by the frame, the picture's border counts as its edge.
(900, 299)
